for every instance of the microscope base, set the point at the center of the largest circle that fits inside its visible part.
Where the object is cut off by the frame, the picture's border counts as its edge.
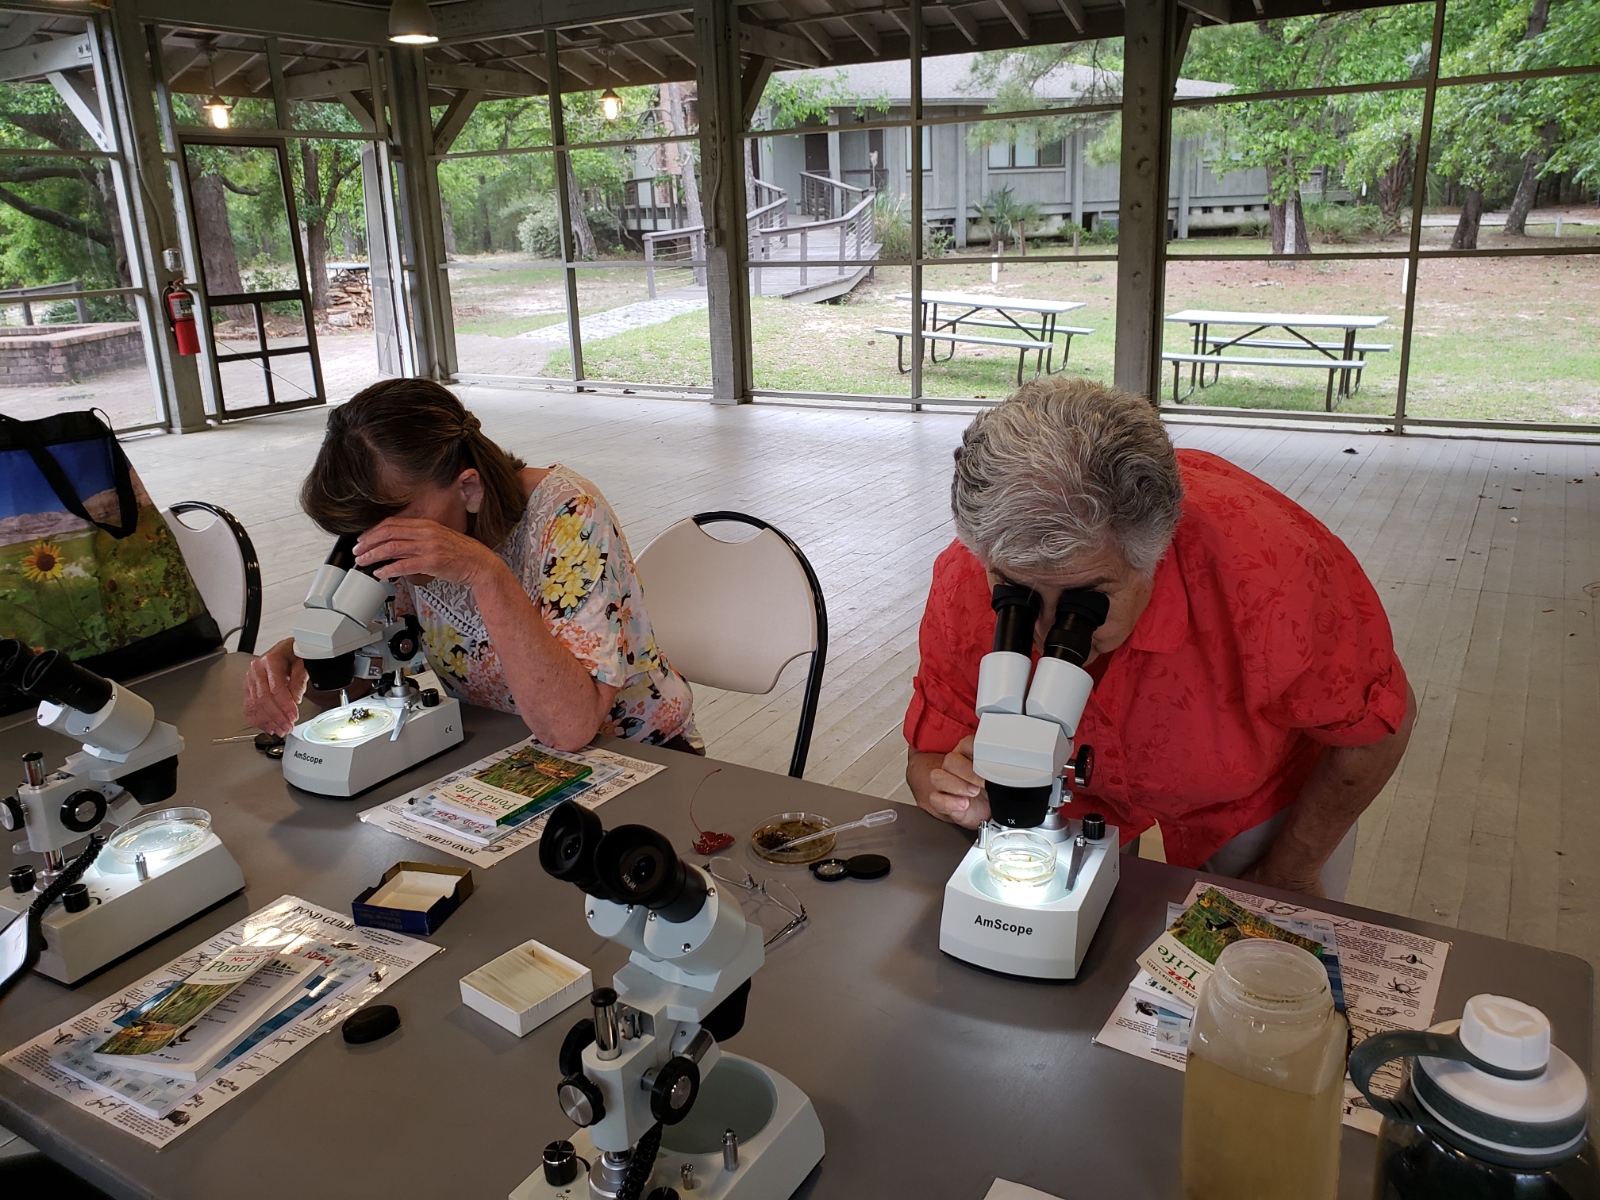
(346, 769)
(125, 913)
(1038, 933)
(780, 1141)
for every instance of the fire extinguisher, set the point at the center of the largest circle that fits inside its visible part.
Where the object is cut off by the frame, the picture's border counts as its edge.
(179, 302)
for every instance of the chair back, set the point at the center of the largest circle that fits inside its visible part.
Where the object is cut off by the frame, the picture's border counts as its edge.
(222, 560)
(733, 614)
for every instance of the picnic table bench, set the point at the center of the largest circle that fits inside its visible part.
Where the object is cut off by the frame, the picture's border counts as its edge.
(1343, 360)
(1036, 339)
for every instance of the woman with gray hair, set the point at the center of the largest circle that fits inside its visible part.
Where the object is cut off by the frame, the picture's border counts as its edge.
(1247, 694)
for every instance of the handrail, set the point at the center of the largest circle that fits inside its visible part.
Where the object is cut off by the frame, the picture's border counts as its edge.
(841, 185)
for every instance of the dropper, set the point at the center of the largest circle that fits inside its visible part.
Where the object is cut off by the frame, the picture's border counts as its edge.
(881, 817)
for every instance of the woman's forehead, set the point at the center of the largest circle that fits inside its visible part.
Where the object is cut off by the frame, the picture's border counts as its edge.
(1080, 571)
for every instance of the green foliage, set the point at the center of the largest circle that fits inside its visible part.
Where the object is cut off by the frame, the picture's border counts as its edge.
(539, 231)
(1009, 217)
(891, 221)
(1339, 223)
(805, 97)
(1014, 77)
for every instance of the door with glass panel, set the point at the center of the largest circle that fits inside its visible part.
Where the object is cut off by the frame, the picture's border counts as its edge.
(255, 313)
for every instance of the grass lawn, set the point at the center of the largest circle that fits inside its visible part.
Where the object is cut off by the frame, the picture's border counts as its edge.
(1495, 339)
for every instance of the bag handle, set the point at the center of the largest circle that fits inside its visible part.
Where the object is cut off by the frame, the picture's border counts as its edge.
(50, 468)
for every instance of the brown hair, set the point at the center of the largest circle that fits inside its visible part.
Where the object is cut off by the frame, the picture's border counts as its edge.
(404, 432)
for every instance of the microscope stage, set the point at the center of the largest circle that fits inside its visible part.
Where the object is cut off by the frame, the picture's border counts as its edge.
(125, 913)
(347, 750)
(1039, 932)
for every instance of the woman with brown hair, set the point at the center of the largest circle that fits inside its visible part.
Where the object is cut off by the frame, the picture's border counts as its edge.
(519, 576)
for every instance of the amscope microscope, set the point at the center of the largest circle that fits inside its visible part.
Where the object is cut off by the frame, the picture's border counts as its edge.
(159, 868)
(661, 1106)
(1028, 897)
(348, 631)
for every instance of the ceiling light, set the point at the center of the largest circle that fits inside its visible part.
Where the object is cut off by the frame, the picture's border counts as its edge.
(218, 111)
(411, 23)
(610, 104)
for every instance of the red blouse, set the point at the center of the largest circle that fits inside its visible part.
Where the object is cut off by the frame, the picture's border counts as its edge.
(1263, 642)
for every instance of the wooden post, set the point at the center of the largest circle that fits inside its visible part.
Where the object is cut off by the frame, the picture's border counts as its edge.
(564, 199)
(1149, 47)
(722, 165)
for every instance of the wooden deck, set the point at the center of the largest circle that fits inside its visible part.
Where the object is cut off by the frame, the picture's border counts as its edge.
(1486, 554)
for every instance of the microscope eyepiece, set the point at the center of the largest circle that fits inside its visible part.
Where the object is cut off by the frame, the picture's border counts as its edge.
(567, 847)
(1078, 615)
(55, 677)
(639, 866)
(1016, 609)
(14, 659)
(343, 554)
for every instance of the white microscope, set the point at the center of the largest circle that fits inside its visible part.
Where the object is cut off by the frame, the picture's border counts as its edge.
(1014, 905)
(159, 868)
(662, 1108)
(348, 631)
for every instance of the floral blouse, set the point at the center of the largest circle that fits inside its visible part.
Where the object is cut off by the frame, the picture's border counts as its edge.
(572, 559)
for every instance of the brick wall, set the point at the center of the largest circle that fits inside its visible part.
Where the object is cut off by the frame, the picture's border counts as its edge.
(35, 354)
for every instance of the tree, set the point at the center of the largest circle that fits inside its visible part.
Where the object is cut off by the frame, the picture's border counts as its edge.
(324, 167)
(71, 225)
(1291, 138)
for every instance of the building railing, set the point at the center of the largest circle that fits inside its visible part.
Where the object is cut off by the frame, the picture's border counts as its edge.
(849, 237)
(825, 198)
(24, 295)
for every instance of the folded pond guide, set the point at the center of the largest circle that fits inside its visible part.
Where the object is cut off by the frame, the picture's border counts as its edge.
(1181, 959)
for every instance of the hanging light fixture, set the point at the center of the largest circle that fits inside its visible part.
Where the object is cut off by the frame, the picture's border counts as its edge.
(411, 23)
(217, 110)
(610, 104)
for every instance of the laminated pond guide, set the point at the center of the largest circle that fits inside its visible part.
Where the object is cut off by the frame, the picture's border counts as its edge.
(357, 964)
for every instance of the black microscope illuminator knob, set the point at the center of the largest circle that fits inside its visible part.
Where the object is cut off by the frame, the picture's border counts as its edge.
(674, 1091)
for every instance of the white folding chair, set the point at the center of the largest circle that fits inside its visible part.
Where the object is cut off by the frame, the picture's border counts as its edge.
(732, 615)
(222, 559)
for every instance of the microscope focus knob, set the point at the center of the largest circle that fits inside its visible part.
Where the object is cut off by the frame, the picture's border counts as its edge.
(1083, 766)
(11, 816)
(673, 1093)
(581, 1100)
(83, 810)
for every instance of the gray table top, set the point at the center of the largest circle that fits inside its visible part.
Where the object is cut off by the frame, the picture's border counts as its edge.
(1208, 316)
(931, 1077)
(997, 302)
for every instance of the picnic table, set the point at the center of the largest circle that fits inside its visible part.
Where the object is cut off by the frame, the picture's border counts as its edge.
(1032, 327)
(1343, 360)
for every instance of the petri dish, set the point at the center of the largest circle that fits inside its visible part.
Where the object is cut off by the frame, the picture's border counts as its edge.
(162, 835)
(1021, 856)
(352, 724)
(784, 827)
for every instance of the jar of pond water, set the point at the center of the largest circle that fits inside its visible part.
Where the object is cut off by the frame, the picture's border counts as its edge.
(1265, 1079)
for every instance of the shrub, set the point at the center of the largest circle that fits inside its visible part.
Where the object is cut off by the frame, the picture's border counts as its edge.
(1009, 217)
(1335, 223)
(891, 224)
(539, 231)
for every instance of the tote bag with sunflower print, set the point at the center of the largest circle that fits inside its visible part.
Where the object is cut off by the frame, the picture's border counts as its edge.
(87, 564)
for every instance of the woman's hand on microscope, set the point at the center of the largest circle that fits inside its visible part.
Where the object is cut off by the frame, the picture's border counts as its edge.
(956, 793)
(273, 689)
(417, 547)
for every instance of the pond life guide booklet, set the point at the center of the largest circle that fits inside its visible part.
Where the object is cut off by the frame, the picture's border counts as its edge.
(528, 779)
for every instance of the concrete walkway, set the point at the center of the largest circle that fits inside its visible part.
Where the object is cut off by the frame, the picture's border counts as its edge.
(628, 317)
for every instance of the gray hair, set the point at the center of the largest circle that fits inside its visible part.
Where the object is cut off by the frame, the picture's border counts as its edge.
(1066, 467)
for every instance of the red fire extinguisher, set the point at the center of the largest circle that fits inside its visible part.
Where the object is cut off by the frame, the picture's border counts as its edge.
(179, 301)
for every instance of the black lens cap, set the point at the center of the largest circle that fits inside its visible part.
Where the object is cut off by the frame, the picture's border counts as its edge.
(270, 744)
(371, 1023)
(867, 866)
(830, 870)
